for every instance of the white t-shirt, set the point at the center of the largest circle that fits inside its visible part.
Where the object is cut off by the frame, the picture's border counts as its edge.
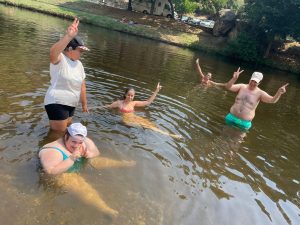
(66, 80)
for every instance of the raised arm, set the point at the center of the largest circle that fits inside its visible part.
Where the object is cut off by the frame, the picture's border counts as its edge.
(265, 97)
(151, 99)
(199, 69)
(230, 84)
(59, 46)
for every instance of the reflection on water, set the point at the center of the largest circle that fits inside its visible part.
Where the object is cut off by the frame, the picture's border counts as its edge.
(214, 174)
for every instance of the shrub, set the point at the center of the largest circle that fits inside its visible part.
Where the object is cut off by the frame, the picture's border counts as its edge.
(244, 47)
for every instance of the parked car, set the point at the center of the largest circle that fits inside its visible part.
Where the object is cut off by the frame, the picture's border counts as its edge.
(207, 23)
(195, 21)
(185, 19)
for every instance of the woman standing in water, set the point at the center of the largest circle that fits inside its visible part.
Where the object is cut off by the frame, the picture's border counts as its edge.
(67, 74)
(127, 106)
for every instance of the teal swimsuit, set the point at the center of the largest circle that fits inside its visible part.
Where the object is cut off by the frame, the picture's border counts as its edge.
(231, 119)
(78, 164)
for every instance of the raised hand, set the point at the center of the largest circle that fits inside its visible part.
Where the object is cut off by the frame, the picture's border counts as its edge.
(197, 61)
(72, 30)
(237, 73)
(158, 87)
(282, 89)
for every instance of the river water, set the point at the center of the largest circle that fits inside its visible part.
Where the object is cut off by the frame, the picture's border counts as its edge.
(214, 175)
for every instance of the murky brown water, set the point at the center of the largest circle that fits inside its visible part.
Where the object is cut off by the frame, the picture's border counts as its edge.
(215, 175)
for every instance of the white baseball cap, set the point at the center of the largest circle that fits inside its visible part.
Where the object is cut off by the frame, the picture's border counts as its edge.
(257, 76)
(77, 129)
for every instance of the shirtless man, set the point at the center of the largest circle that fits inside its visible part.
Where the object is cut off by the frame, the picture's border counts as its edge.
(249, 95)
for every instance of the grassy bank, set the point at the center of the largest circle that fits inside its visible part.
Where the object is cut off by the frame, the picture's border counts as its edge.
(87, 13)
(64, 9)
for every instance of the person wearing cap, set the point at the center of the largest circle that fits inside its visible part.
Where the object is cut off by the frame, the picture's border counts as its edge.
(249, 95)
(64, 158)
(206, 79)
(67, 86)
(68, 152)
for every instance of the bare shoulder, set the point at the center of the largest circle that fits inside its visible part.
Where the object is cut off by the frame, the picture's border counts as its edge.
(49, 151)
(237, 87)
(115, 104)
(88, 142)
(51, 144)
(92, 149)
(241, 85)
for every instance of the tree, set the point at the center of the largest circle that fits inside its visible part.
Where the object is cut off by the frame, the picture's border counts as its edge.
(129, 8)
(270, 19)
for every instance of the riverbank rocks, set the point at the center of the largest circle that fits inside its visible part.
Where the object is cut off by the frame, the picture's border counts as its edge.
(225, 21)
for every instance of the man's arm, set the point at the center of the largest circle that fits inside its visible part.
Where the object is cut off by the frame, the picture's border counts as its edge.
(266, 98)
(59, 46)
(230, 84)
(199, 70)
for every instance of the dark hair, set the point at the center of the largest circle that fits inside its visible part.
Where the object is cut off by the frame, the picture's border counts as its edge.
(126, 91)
(66, 136)
(74, 43)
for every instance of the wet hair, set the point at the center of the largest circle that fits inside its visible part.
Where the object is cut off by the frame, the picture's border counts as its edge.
(126, 91)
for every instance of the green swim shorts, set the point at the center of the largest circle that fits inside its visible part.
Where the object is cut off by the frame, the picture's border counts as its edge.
(237, 122)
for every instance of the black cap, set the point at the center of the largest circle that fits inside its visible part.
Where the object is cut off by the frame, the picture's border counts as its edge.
(77, 42)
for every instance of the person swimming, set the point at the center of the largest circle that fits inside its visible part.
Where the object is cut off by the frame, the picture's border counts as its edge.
(206, 79)
(126, 107)
(127, 104)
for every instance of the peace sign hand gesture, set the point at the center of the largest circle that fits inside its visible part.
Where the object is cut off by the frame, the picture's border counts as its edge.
(72, 30)
(237, 73)
(282, 89)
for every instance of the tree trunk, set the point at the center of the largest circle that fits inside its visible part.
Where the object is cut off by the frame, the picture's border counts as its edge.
(129, 8)
(172, 8)
(152, 7)
(267, 52)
